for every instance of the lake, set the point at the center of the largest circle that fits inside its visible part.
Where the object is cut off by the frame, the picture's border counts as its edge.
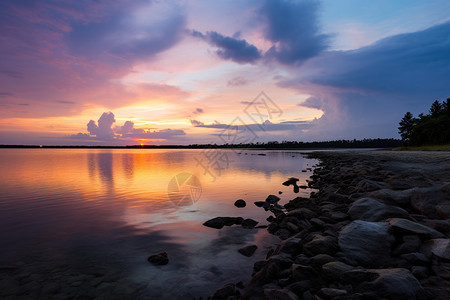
(82, 222)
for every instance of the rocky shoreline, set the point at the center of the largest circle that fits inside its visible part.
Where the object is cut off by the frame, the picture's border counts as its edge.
(376, 227)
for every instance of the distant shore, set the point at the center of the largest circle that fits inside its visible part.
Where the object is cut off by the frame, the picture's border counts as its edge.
(377, 227)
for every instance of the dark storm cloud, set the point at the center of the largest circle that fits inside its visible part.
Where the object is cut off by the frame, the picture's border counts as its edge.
(311, 102)
(230, 48)
(294, 27)
(365, 92)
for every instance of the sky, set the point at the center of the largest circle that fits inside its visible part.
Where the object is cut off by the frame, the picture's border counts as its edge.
(182, 72)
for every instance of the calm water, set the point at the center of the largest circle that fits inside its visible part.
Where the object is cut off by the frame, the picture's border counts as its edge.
(82, 222)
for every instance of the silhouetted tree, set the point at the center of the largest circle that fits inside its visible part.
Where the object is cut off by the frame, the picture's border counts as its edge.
(446, 107)
(406, 127)
(435, 109)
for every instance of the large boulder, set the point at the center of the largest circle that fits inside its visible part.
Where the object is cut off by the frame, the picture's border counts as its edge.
(404, 226)
(369, 209)
(366, 243)
(393, 283)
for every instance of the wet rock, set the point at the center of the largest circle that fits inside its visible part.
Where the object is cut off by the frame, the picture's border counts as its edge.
(300, 287)
(366, 243)
(334, 270)
(291, 246)
(224, 292)
(302, 213)
(442, 270)
(291, 181)
(159, 259)
(280, 294)
(425, 201)
(400, 197)
(404, 226)
(410, 243)
(249, 223)
(319, 260)
(248, 250)
(416, 258)
(240, 203)
(220, 222)
(443, 211)
(259, 203)
(420, 272)
(394, 283)
(329, 293)
(302, 272)
(272, 199)
(321, 244)
(437, 247)
(369, 209)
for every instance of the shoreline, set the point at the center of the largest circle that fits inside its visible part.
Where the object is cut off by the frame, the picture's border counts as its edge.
(378, 227)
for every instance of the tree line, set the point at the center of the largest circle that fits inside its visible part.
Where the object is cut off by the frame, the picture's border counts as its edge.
(427, 129)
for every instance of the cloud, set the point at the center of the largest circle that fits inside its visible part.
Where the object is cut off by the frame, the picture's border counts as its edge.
(312, 102)
(198, 111)
(230, 48)
(104, 129)
(105, 132)
(237, 81)
(266, 126)
(365, 92)
(293, 27)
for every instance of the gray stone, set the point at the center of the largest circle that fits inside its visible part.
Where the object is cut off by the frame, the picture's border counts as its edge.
(366, 243)
(404, 226)
(280, 294)
(437, 247)
(394, 283)
(321, 245)
(369, 209)
(334, 270)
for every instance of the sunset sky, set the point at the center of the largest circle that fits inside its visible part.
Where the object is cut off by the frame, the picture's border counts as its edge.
(179, 72)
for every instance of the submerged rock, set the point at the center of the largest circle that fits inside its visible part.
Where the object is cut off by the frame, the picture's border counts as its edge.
(249, 223)
(159, 259)
(272, 199)
(219, 222)
(248, 250)
(291, 181)
(240, 203)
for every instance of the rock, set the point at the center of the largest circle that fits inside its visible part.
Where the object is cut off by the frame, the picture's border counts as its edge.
(161, 258)
(300, 287)
(291, 181)
(272, 199)
(369, 209)
(400, 197)
(334, 270)
(291, 246)
(330, 293)
(249, 223)
(248, 250)
(416, 258)
(410, 243)
(224, 292)
(219, 222)
(302, 272)
(394, 283)
(319, 260)
(321, 244)
(442, 270)
(437, 247)
(260, 203)
(404, 226)
(280, 294)
(420, 272)
(443, 211)
(302, 213)
(366, 243)
(240, 203)
(425, 201)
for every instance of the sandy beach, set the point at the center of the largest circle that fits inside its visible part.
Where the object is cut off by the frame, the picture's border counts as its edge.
(376, 227)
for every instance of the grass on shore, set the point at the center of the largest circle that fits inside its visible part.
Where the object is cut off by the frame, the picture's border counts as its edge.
(425, 148)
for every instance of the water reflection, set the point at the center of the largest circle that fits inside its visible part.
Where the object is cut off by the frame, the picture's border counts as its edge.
(86, 211)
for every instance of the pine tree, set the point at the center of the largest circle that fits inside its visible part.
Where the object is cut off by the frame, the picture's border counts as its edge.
(435, 109)
(406, 126)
